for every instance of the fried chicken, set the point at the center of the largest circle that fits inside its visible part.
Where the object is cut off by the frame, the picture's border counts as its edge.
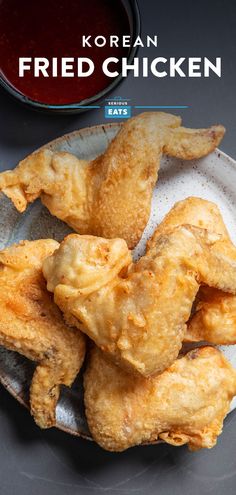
(137, 312)
(214, 319)
(32, 325)
(111, 195)
(193, 211)
(186, 404)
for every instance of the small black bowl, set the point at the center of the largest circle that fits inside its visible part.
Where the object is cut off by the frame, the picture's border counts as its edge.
(132, 9)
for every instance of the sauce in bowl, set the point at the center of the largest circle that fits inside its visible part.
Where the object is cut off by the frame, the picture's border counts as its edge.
(54, 28)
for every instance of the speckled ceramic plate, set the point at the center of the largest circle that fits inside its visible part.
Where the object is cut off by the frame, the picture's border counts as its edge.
(213, 178)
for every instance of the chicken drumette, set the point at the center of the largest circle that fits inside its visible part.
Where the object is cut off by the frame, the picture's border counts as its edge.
(186, 404)
(32, 325)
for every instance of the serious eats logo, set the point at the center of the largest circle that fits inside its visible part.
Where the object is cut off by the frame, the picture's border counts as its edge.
(117, 108)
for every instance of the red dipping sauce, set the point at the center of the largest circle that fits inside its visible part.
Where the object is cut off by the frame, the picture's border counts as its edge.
(54, 28)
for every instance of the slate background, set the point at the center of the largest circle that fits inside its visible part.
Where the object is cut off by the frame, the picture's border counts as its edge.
(51, 462)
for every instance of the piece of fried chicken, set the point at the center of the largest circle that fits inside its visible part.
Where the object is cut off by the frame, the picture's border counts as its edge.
(186, 404)
(111, 195)
(32, 325)
(215, 317)
(193, 211)
(137, 312)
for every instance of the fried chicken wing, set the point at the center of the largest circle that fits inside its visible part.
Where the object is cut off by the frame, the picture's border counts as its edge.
(215, 317)
(32, 325)
(193, 211)
(111, 195)
(186, 404)
(137, 312)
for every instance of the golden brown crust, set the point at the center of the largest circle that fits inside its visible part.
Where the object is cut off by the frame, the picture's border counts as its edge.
(185, 404)
(193, 211)
(190, 144)
(138, 311)
(214, 319)
(110, 196)
(32, 325)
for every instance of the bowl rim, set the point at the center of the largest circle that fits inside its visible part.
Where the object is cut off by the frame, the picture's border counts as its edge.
(87, 103)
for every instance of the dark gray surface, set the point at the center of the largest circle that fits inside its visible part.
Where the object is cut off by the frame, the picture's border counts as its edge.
(50, 462)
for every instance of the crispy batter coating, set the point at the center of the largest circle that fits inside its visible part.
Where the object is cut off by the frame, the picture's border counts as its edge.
(136, 312)
(32, 325)
(215, 317)
(193, 211)
(186, 404)
(111, 195)
(214, 320)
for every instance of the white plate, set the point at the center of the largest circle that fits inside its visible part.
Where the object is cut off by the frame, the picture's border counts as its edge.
(212, 178)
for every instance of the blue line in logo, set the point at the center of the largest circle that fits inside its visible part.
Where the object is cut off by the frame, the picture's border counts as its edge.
(74, 105)
(161, 106)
